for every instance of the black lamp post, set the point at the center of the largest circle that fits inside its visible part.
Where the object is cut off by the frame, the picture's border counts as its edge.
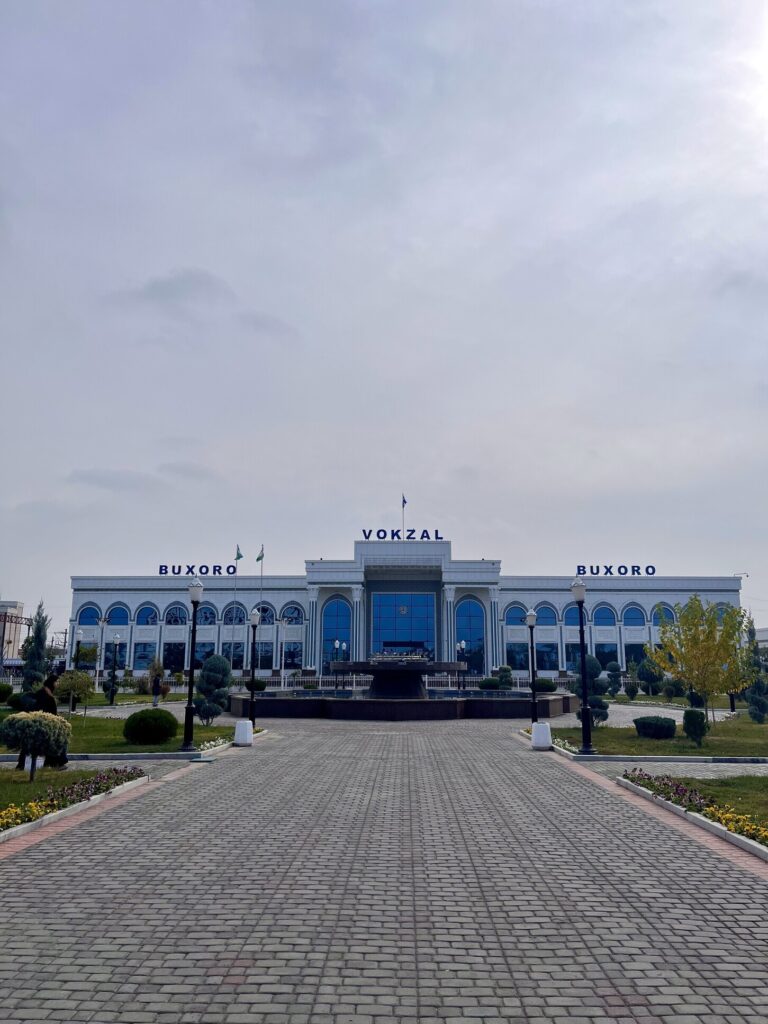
(113, 673)
(579, 592)
(530, 621)
(79, 636)
(255, 619)
(195, 596)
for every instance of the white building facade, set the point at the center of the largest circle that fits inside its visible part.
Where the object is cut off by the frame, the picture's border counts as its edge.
(392, 597)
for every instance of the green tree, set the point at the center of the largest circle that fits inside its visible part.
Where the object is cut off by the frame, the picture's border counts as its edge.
(75, 686)
(702, 646)
(650, 675)
(613, 668)
(212, 688)
(34, 652)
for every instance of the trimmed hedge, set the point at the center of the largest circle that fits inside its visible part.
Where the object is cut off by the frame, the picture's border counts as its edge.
(5, 692)
(152, 725)
(545, 686)
(654, 727)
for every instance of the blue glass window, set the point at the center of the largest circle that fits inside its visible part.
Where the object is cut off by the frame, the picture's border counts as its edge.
(571, 616)
(143, 655)
(88, 616)
(233, 652)
(267, 614)
(173, 657)
(176, 615)
(660, 610)
(293, 615)
(403, 624)
(517, 656)
(337, 625)
(470, 627)
(545, 616)
(634, 652)
(109, 652)
(234, 615)
(606, 653)
(633, 617)
(117, 617)
(546, 657)
(515, 616)
(292, 655)
(573, 656)
(604, 616)
(206, 615)
(146, 616)
(264, 655)
(202, 652)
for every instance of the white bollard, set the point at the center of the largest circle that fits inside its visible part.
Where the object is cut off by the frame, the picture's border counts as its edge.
(28, 763)
(541, 737)
(243, 733)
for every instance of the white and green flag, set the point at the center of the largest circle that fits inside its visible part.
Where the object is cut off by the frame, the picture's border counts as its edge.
(260, 555)
(239, 554)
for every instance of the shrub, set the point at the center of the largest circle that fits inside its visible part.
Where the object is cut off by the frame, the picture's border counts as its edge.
(650, 676)
(545, 685)
(758, 709)
(178, 678)
(669, 691)
(598, 709)
(695, 725)
(631, 689)
(73, 687)
(305, 686)
(152, 725)
(505, 677)
(141, 684)
(613, 668)
(654, 727)
(488, 684)
(21, 701)
(695, 699)
(37, 733)
(5, 692)
(213, 688)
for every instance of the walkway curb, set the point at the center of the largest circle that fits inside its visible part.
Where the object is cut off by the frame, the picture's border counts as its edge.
(651, 758)
(748, 845)
(65, 812)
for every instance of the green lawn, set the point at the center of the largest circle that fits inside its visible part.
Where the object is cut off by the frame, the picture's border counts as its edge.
(738, 737)
(99, 700)
(721, 703)
(747, 794)
(15, 787)
(105, 736)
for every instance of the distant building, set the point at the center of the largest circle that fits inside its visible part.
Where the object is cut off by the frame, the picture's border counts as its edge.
(762, 638)
(393, 597)
(13, 629)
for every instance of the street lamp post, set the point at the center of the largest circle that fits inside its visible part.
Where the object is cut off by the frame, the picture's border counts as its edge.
(255, 618)
(100, 652)
(530, 621)
(79, 641)
(195, 596)
(579, 592)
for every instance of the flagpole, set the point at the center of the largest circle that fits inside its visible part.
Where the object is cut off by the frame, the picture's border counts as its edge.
(235, 617)
(261, 595)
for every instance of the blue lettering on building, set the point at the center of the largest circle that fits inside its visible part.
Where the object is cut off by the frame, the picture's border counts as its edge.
(200, 570)
(409, 534)
(619, 570)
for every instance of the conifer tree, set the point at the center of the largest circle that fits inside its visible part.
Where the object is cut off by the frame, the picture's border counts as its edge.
(34, 654)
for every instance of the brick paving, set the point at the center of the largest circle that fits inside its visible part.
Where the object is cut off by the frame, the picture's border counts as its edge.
(360, 873)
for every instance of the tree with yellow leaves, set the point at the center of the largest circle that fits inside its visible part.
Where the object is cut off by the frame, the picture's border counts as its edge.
(702, 647)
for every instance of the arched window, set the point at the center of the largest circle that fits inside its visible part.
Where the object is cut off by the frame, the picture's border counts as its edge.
(146, 616)
(234, 615)
(206, 615)
(604, 616)
(571, 615)
(721, 610)
(89, 616)
(633, 616)
(666, 611)
(293, 615)
(176, 615)
(470, 627)
(266, 614)
(546, 616)
(337, 625)
(515, 615)
(117, 616)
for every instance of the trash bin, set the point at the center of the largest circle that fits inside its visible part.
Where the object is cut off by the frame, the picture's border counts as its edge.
(243, 733)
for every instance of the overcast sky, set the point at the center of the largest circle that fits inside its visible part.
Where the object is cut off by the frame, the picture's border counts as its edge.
(266, 265)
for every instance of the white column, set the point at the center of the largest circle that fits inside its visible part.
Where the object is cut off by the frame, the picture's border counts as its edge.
(311, 632)
(449, 598)
(357, 639)
(496, 659)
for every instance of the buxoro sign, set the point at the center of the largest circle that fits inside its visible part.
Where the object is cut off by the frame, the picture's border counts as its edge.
(402, 534)
(197, 570)
(618, 570)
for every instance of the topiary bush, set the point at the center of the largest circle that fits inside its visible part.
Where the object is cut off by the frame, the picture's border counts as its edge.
(5, 692)
(545, 686)
(213, 688)
(37, 734)
(505, 677)
(21, 701)
(650, 676)
(654, 727)
(631, 689)
(598, 709)
(613, 668)
(695, 725)
(695, 699)
(488, 684)
(152, 725)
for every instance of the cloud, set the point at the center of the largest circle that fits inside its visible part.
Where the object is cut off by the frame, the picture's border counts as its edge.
(178, 291)
(192, 471)
(266, 326)
(116, 480)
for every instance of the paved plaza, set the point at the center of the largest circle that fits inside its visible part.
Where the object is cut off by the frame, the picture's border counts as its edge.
(359, 873)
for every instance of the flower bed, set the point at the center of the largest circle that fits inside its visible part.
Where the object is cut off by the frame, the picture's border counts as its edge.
(678, 792)
(56, 799)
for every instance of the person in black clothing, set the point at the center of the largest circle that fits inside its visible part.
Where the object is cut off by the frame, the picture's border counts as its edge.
(46, 701)
(156, 691)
